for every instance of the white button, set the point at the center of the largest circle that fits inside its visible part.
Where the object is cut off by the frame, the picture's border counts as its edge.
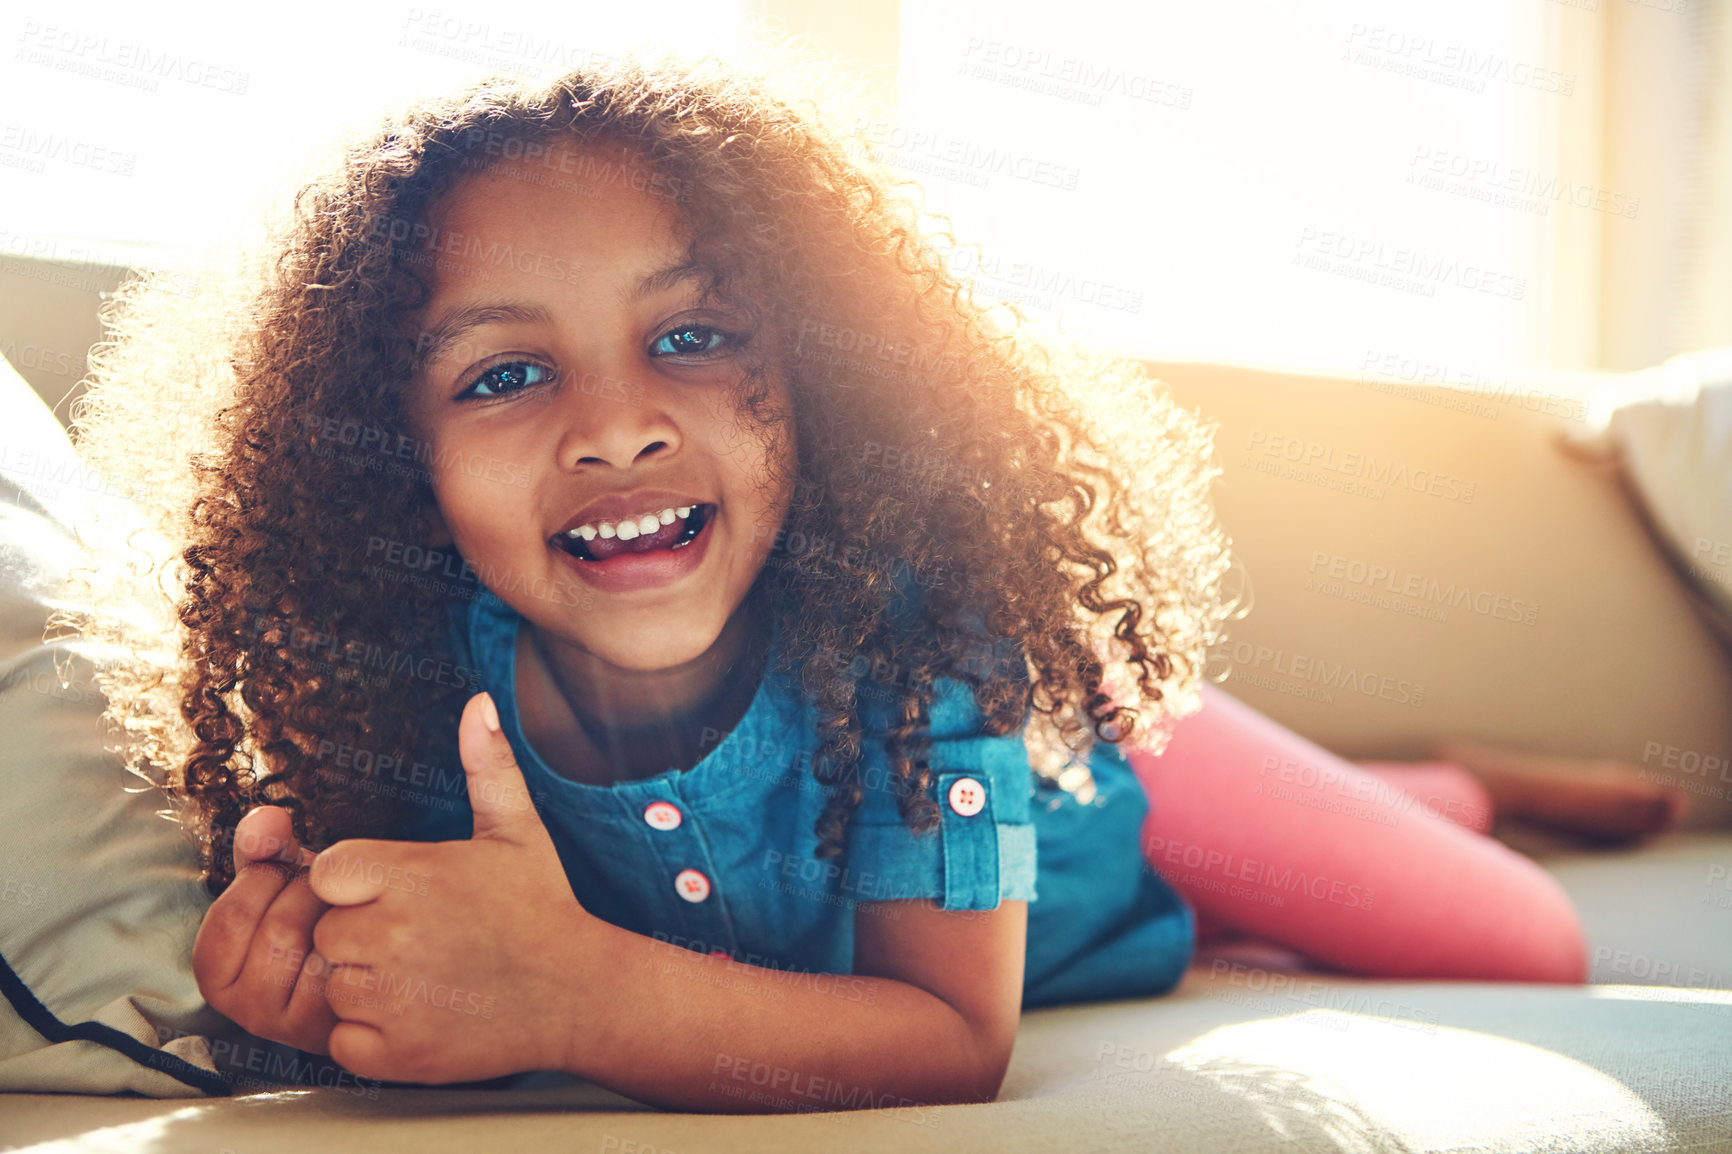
(967, 796)
(692, 885)
(662, 815)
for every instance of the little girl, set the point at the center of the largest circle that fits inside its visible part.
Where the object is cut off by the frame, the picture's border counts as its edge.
(615, 542)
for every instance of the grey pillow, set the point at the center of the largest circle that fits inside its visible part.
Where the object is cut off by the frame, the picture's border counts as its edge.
(100, 898)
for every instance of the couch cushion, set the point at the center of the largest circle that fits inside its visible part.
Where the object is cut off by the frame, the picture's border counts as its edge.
(1243, 1056)
(1215, 1066)
(1659, 915)
(99, 896)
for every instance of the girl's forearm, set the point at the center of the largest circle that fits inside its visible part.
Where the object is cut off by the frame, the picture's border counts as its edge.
(688, 1031)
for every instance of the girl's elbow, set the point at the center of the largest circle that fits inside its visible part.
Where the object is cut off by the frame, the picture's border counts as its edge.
(969, 1083)
(988, 1077)
(988, 1089)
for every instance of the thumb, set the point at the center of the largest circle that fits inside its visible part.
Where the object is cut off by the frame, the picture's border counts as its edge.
(266, 834)
(497, 792)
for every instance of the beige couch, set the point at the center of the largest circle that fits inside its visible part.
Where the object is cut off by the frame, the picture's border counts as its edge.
(1239, 1058)
(1248, 1054)
(1588, 643)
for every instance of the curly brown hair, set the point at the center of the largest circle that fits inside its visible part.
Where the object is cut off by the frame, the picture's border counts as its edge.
(1048, 503)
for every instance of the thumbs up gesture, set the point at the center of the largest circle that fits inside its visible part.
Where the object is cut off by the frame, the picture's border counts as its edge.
(454, 961)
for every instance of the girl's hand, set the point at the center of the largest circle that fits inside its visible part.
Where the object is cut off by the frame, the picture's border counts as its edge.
(454, 961)
(253, 957)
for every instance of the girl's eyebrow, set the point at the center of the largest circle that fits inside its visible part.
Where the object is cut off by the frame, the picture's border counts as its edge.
(663, 279)
(452, 327)
(431, 344)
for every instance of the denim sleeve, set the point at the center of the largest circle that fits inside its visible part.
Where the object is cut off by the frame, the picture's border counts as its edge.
(983, 850)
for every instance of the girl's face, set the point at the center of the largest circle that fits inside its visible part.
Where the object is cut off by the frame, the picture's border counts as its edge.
(577, 402)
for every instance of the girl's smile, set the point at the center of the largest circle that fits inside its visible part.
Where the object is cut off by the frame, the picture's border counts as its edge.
(647, 502)
(612, 525)
(618, 553)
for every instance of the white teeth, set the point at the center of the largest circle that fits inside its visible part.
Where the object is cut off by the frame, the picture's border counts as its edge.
(631, 530)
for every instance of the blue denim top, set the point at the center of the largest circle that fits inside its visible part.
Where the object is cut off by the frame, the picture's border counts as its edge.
(1101, 923)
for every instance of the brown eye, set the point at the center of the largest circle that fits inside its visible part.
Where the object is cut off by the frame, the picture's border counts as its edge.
(510, 377)
(690, 341)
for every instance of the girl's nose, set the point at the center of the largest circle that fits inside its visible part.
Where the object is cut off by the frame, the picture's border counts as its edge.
(609, 420)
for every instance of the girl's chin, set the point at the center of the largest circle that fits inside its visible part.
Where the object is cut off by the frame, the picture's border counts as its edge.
(636, 660)
(651, 652)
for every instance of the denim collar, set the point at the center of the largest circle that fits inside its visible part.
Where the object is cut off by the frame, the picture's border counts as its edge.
(492, 635)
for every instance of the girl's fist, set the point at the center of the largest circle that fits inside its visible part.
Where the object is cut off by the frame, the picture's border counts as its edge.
(254, 957)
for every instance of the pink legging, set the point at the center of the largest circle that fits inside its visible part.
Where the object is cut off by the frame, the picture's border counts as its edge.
(1380, 869)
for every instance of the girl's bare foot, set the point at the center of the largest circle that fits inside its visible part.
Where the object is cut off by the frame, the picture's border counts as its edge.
(1595, 798)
